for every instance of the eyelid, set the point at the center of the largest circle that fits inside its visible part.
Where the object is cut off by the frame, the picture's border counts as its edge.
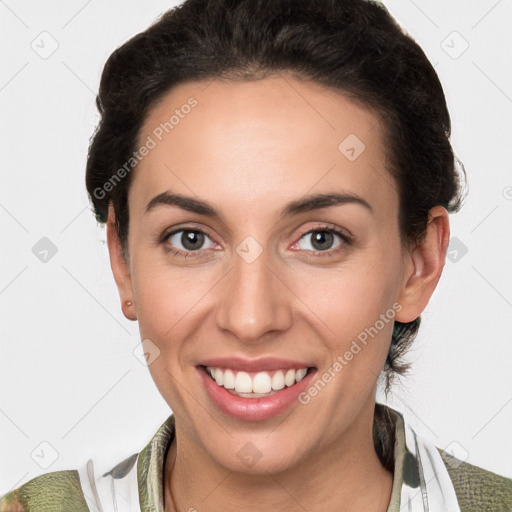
(326, 226)
(346, 242)
(187, 227)
(343, 233)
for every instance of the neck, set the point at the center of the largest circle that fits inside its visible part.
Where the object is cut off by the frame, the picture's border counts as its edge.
(335, 478)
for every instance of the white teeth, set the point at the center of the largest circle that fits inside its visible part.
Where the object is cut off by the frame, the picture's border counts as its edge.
(262, 383)
(259, 384)
(229, 379)
(278, 380)
(289, 378)
(218, 375)
(243, 383)
(300, 374)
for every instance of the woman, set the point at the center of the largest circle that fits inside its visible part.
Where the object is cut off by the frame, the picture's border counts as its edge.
(305, 146)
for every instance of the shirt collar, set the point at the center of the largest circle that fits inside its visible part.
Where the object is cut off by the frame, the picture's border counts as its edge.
(409, 475)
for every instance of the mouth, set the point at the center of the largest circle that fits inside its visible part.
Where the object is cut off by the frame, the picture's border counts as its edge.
(255, 395)
(256, 384)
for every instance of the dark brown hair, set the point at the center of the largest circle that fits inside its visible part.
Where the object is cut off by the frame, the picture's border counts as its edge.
(354, 47)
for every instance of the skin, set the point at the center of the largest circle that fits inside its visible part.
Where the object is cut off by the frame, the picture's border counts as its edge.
(249, 148)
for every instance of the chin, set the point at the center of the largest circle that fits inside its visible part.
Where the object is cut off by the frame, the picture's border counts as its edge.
(258, 456)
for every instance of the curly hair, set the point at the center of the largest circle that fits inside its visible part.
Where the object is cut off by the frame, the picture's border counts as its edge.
(353, 47)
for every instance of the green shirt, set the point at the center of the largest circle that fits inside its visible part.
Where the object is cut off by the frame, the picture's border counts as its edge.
(138, 478)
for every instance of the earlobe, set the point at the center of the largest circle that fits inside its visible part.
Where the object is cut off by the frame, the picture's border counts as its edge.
(424, 266)
(120, 267)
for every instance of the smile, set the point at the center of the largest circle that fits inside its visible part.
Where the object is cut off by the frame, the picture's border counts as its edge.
(257, 390)
(256, 385)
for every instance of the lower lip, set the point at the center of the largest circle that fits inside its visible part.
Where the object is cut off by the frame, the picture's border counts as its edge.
(254, 409)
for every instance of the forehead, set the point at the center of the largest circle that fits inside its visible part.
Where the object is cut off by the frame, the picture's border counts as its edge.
(258, 143)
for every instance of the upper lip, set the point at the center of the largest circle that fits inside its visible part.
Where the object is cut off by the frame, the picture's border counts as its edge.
(253, 365)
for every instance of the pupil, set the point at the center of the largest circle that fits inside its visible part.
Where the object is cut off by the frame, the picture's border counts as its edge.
(190, 239)
(322, 240)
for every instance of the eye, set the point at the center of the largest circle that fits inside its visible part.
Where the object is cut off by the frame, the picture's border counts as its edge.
(187, 241)
(322, 240)
(190, 242)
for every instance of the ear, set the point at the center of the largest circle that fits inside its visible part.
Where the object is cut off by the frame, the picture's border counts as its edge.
(424, 265)
(120, 267)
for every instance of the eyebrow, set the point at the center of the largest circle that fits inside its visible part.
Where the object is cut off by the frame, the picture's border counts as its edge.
(305, 204)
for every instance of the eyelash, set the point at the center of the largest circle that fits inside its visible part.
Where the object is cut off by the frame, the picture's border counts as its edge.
(346, 240)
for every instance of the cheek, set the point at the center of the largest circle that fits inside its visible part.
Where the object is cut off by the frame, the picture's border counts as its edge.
(357, 305)
(168, 300)
(162, 300)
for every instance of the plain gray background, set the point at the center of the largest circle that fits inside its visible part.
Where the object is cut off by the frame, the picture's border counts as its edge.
(71, 385)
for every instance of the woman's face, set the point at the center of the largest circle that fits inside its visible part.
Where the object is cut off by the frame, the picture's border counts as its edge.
(245, 282)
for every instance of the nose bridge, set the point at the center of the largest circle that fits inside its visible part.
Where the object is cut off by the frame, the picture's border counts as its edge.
(252, 300)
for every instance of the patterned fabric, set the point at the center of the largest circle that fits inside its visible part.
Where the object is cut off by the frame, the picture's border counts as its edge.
(425, 479)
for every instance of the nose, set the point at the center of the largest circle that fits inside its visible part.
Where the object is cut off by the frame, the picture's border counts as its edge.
(254, 299)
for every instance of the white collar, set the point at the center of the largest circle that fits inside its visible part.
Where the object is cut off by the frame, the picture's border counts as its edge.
(419, 470)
